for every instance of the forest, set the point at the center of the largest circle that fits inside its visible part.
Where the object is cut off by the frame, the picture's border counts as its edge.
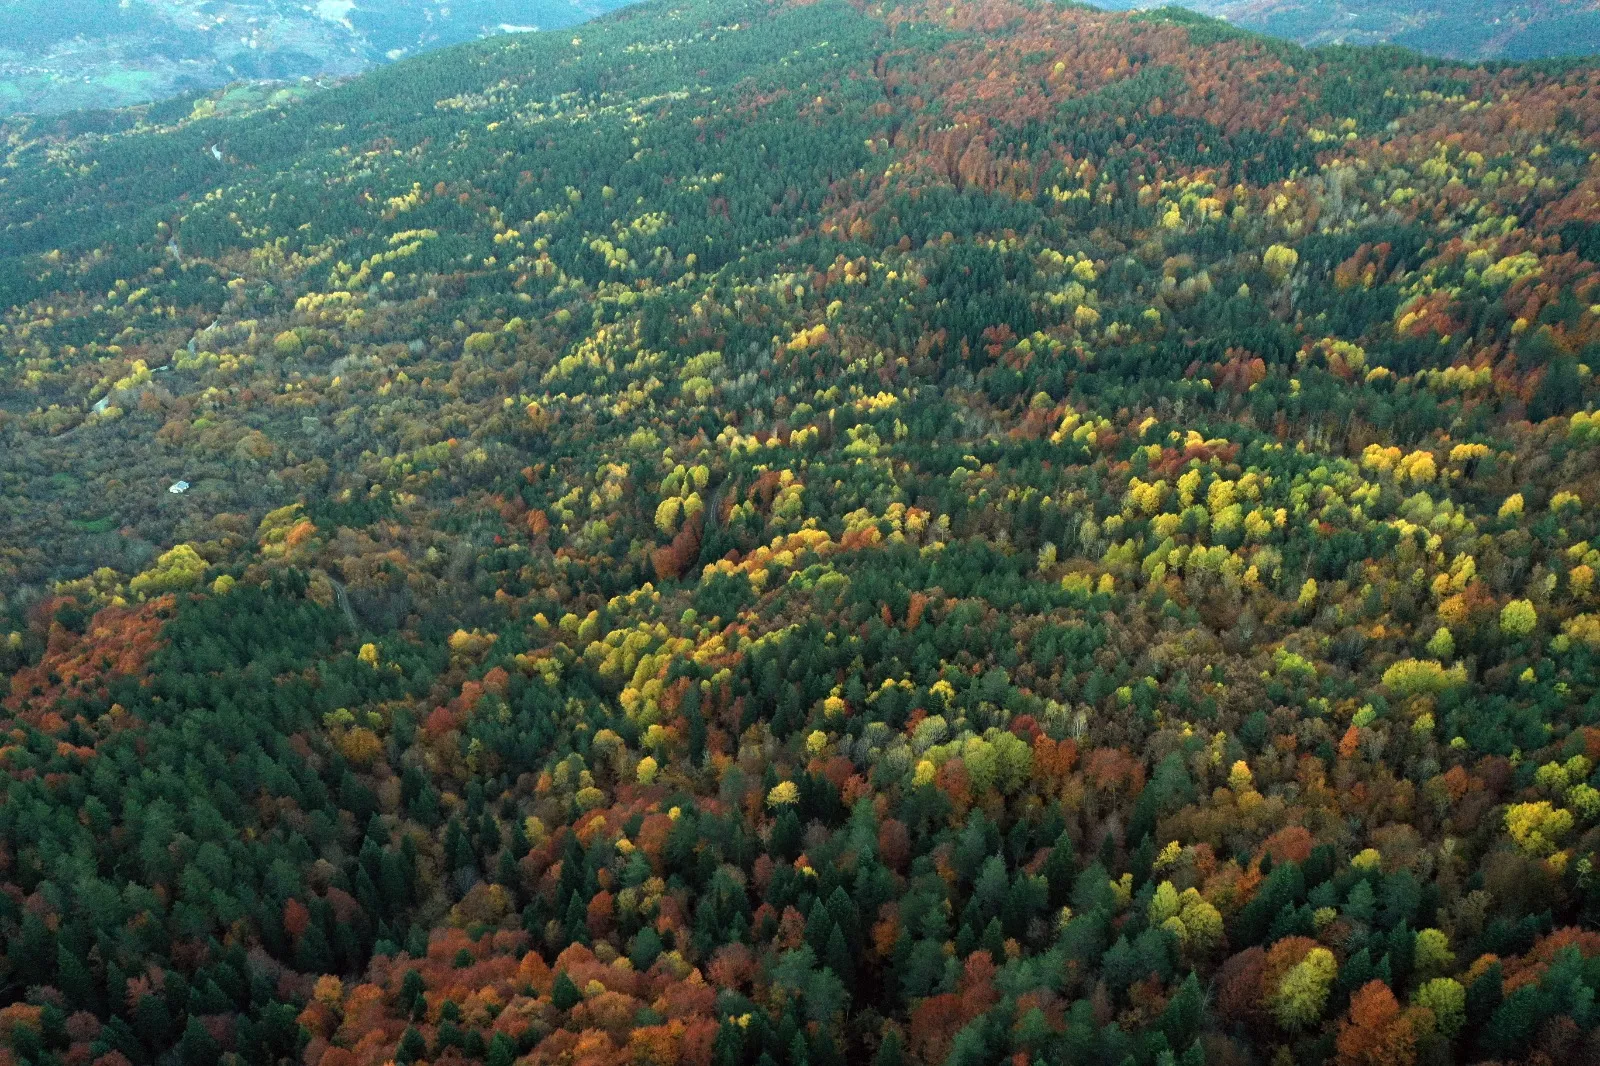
(806, 532)
(1458, 29)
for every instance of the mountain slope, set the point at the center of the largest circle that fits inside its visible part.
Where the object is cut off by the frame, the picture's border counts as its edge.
(800, 533)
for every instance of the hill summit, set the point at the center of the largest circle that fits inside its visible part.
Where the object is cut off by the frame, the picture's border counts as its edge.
(1464, 29)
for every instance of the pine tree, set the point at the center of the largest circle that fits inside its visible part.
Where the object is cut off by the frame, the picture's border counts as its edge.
(728, 1049)
(564, 994)
(1060, 867)
(1185, 1012)
(646, 947)
(786, 835)
(312, 954)
(819, 924)
(1513, 1023)
(502, 1052)
(1119, 965)
(994, 940)
(152, 1020)
(412, 1047)
(577, 920)
(697, 725)
(838, 958)
(891, 1052)
(412, 999)
(197, 1046)
(33, 952)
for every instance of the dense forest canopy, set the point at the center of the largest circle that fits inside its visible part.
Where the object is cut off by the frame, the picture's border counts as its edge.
(784, 534)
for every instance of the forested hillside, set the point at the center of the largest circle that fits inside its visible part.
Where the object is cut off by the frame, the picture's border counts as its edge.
(794, 534)
(1461, 29)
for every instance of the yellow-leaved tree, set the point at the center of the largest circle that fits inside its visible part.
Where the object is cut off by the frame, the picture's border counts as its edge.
(177, 569)
(1303, 992)
(1518, 618)
(1537, 827)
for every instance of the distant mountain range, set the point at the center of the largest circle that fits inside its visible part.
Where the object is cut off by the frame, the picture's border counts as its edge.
(1460, 29)
(60, 55)
(63, 55)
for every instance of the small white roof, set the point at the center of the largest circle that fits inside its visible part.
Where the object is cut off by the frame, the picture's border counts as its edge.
(178, 487)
